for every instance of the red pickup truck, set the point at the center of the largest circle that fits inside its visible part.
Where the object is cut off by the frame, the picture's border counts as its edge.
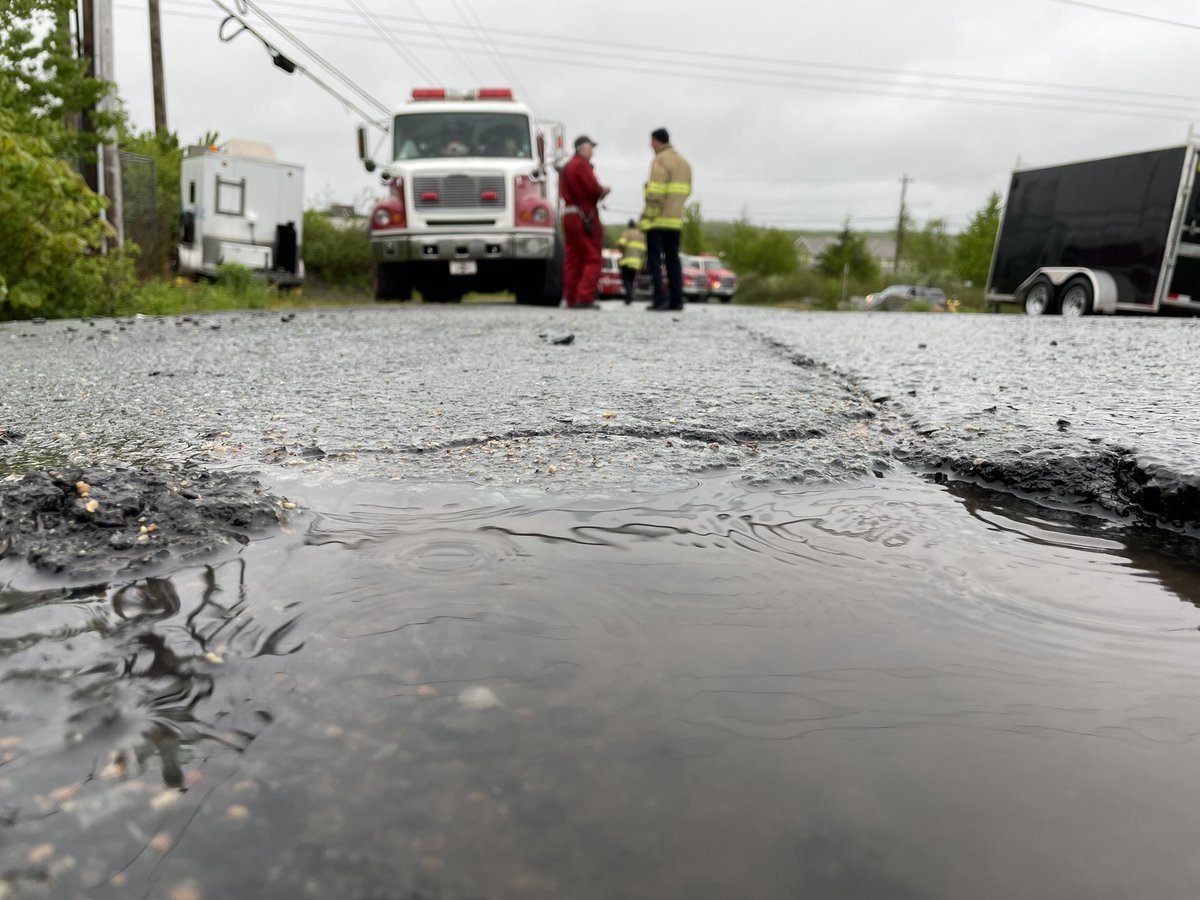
(610, 286)
(695, 281)
(720, 281)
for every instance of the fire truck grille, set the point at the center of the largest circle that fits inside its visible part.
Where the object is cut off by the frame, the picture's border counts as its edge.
(458, 192)
(728, 282)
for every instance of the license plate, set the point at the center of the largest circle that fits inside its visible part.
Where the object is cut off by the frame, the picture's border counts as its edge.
(463, 267)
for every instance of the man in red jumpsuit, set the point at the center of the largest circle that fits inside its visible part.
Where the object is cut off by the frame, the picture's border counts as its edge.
(582, 231)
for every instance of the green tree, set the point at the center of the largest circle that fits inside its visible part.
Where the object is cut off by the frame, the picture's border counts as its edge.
(931, 251)
(50, 232)
(691, 240)
(43, 86)
(850, 249)
(50, 227)
(752, 250)
(973, 248)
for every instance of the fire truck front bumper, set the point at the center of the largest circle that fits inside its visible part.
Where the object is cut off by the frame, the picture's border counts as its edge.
(432, 247)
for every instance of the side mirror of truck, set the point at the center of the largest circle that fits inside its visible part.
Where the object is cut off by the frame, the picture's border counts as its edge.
(368, 163)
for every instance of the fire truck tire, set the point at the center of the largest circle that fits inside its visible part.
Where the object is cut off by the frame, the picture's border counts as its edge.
(438, 294)
(1039, 299)
(391, 283)
(531, 289)
(1076, 300)
(542, 285)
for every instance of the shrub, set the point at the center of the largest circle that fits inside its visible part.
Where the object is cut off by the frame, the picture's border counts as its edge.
(50, 235)
(235, 278)
(333, 256)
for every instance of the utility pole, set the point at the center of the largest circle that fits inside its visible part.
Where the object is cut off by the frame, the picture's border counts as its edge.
(109, 152)
(156, 70)
(904, 182)
(87, 50)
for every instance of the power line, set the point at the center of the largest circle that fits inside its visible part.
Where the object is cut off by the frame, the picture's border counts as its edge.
(1112, 105)
(487, 37)
(280, 60)
(445, 43)
(541, 39)
(415, 64)
(315, 56)
(1125, 12)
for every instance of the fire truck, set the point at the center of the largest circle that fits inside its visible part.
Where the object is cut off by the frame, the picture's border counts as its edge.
(469, 205)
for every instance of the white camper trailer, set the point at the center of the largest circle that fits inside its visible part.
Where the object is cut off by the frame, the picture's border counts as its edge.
(241, 205)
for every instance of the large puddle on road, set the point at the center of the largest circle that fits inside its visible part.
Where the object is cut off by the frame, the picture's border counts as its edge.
(892, 689)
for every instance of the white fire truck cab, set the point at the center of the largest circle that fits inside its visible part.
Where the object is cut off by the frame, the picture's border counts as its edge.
(469, 204)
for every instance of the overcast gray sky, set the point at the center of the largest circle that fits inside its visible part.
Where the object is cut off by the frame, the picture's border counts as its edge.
(802, 113)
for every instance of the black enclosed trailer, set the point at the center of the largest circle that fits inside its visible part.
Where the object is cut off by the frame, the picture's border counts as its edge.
(1107, 235)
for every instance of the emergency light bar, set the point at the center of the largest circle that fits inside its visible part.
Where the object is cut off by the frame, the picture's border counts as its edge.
(481, 94)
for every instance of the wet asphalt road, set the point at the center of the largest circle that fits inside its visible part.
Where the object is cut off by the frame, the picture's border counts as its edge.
(554, 659)
(1098, 413)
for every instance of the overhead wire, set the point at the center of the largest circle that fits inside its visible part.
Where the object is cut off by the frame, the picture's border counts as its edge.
(441, 36)
(314, 55)
(501, 62)
(541, 40)
(271, 49)
(408, 56)
(1128, 12)
(1114, 104)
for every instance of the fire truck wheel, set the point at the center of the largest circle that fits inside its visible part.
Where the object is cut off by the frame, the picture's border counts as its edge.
(530, 292)
(1076, 298)
(542, 283)
(1039, 299)
(442, 295)
(391, 283)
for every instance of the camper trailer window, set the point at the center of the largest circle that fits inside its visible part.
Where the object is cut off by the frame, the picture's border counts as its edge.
(231, 197)
(191, 192)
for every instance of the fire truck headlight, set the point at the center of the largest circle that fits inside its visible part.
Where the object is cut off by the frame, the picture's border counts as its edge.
(541, 215)
(536, 247)
(382, 217)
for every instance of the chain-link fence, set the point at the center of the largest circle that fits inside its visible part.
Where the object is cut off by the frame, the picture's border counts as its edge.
(142, 227)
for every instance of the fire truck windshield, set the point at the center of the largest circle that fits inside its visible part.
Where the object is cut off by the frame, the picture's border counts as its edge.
(443, 135)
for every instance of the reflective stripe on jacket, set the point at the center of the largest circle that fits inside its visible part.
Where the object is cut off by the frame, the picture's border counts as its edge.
(667, 190)
(633, 247)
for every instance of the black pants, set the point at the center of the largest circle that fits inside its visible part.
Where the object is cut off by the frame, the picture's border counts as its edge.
(629, 275)
(662, 249)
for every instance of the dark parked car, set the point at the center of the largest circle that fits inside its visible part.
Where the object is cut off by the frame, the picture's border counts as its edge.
(903, 296)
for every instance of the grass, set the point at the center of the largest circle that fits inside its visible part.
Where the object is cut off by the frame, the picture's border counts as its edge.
(236, 289)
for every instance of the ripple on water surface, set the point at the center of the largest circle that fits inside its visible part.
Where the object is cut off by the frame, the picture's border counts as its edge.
(894, 689)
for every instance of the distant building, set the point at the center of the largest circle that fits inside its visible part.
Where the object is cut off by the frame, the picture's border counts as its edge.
(882, 249)
(342, 215)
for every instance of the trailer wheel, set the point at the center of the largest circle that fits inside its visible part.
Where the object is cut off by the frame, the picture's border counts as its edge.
(1039, 299)
(1077, 298)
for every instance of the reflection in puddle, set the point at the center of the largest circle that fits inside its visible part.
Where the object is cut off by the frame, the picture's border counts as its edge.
(891, 690)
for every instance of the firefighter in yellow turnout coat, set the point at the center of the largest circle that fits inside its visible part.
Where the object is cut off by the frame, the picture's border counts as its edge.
(633, 251)
(667, 191)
